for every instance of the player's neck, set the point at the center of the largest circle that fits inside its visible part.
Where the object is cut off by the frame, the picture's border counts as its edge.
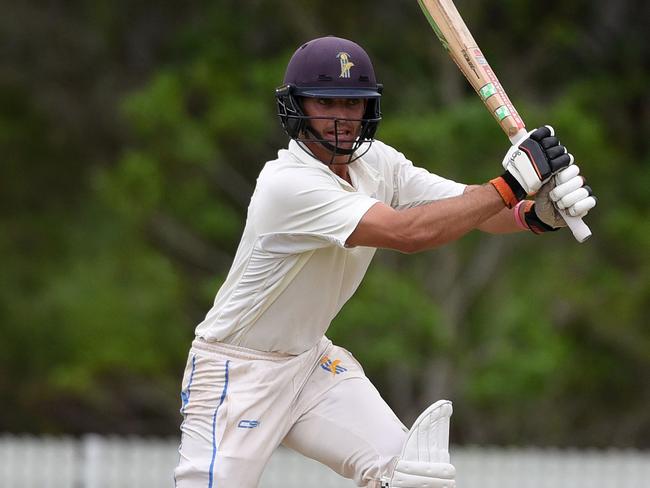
(341, 170)
(339, 164)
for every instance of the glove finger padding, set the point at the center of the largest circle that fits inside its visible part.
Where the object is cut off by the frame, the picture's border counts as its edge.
(555, 151)
(566, 174)
(561, 191)
(582, 207)
(542, 132)
(570, 199)
(571, 193)
(567, 191)
(530, 164)
(562, 161)
(548, 142)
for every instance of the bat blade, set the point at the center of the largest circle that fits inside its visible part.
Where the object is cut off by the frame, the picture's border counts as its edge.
(456, 38)
(463, 49)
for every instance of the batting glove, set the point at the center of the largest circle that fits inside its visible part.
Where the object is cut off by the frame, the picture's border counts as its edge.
(567, 191)
(571, 194)
(530, 164)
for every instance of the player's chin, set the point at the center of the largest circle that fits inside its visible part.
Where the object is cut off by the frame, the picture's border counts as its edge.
(343, 141)
(342, 147)
(343, 144)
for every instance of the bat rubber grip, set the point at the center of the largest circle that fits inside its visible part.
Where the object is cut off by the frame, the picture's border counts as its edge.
(579, 229)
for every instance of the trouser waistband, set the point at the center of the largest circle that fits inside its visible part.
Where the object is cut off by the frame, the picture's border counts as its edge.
(245, 353)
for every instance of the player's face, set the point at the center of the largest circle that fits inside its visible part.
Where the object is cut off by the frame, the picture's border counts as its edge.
(340, 123)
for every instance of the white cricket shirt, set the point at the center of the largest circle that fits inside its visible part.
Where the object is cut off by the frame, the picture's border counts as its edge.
(292, 272)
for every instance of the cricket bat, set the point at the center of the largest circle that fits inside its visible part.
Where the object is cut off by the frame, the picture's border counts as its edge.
(461, 46)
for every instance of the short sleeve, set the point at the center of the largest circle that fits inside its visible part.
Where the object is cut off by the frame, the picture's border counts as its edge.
(299, 210)
(413, 186)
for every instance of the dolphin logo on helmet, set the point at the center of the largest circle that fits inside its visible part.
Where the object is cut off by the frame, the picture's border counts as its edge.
(324, 68)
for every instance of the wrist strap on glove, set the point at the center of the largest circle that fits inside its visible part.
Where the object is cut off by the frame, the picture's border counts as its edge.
(526, 218)
(509, 189)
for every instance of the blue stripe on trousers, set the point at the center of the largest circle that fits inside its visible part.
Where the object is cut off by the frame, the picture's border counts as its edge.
(185, 399)
(214, 426)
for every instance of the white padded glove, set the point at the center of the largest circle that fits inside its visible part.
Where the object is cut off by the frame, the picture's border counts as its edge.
(571, 193)
(566, 191)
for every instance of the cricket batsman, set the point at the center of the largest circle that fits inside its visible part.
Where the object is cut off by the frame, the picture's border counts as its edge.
(261, 371)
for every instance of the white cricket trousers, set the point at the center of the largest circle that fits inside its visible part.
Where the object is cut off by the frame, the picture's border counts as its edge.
(239, 405)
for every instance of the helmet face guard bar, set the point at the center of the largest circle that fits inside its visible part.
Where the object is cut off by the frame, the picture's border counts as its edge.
(309, 134)
(332, 145)
(296, 124)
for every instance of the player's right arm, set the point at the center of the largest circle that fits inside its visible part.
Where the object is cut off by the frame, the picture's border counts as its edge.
(427, 226)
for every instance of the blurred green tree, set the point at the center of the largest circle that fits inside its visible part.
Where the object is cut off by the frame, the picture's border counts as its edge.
(132, 135)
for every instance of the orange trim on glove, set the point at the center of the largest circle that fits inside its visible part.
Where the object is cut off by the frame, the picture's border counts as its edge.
(504, 191)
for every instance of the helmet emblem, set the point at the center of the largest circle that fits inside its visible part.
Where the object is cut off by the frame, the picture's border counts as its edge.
(346, 64)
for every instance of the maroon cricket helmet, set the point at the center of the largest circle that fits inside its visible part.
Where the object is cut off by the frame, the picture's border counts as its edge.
(329, 67)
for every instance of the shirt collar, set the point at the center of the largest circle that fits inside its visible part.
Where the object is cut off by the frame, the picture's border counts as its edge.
(303, 156)
(365, 177)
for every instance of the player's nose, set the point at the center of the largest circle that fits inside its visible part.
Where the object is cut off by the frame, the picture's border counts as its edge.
(342, 108)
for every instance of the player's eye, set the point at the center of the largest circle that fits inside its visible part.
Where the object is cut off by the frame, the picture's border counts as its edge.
(324, 101)
(351, 102)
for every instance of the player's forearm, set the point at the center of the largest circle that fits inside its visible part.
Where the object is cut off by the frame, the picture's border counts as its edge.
(501, 223)
(443, 221)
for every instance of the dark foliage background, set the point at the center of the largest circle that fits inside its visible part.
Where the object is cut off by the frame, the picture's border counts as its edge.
(131, 134)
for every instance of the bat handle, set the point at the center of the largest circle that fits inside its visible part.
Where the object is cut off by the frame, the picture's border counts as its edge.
(518, 136)
(577, 226)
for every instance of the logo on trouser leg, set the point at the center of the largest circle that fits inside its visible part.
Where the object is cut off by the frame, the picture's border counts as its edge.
(332, 366)
(248, 424)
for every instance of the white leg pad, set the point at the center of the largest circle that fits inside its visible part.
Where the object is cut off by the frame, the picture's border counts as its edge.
(424, 462)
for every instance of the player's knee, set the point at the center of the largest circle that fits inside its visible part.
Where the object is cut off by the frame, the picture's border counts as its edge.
(382, 464)
(391, 446)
